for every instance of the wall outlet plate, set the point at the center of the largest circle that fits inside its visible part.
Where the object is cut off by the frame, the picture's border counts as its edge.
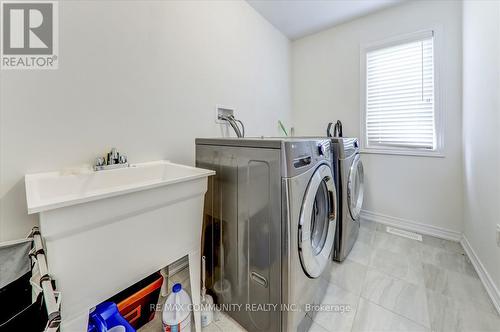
(222, 110)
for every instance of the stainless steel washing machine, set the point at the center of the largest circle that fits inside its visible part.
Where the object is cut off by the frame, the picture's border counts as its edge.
(269, 228)
(349, 175)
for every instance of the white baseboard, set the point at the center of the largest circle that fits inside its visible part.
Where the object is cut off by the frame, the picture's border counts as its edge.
(410, 225)
(486, 279)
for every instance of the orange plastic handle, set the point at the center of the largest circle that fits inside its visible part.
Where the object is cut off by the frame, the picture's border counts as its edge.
(133, 315)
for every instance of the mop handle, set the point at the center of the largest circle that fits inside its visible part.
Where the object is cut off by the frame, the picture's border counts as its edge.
(203, 266)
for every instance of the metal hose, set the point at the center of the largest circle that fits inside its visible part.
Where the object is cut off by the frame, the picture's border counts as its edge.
(232, 121)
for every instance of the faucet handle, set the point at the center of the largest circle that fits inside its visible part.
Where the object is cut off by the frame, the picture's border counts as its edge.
(123, 159)
(99, 161)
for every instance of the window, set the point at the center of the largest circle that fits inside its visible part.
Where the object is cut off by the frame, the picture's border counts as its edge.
(399, 113)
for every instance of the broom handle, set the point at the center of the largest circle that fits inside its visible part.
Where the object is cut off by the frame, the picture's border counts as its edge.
(203, 267)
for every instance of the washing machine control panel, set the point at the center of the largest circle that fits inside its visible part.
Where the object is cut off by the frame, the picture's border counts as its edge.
(324, 149)
(302, 154)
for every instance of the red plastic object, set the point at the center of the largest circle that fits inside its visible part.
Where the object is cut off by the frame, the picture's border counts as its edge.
(136, 304)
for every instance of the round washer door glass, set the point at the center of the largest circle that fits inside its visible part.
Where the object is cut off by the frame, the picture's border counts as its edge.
(317, 222)
(355, 188)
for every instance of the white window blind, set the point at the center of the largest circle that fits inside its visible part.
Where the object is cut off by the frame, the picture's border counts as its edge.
(400, 96)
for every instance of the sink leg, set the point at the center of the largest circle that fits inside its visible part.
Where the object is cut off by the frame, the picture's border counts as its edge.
(195, 281)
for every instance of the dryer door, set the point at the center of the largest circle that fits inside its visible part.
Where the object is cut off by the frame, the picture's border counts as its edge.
(317, 222)
(355, 188)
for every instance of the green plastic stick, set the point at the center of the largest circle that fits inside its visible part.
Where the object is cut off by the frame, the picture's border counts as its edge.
(282, 127)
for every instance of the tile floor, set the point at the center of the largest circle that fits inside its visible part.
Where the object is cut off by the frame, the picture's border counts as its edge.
(396, 284)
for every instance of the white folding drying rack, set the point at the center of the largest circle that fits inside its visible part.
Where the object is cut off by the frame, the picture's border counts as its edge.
(52, 298)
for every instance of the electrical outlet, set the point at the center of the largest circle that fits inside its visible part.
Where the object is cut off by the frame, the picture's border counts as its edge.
(498, 235)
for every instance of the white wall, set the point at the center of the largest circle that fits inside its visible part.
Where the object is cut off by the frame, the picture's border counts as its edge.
(143, 76)
(481, 128)
(326, 87)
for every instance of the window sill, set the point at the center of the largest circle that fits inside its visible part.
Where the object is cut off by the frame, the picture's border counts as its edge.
(412, 153)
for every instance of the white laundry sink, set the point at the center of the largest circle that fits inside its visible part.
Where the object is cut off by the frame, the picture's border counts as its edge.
(106, 230)
(47, 191)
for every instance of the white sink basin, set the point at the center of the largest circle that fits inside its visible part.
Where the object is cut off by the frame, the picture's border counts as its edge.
(47, 191)
(106, 230)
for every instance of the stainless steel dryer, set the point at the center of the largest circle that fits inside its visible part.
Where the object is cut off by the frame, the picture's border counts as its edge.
(349, 176)
(269, 228)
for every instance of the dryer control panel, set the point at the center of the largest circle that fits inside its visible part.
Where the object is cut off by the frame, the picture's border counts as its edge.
(300, 155)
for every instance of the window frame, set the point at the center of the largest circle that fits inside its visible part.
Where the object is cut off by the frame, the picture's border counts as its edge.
(438, 109)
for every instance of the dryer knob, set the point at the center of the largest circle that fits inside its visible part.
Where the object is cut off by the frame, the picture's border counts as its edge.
(321, 149)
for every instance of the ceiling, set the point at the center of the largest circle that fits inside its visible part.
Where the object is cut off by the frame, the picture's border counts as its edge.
(298, 18)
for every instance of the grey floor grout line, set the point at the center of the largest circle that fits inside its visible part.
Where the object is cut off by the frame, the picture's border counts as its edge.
(357, 311)
(428, 311)
(397, 278)
(361, 296)
(397, 314)
(394, 277)
(349, 291)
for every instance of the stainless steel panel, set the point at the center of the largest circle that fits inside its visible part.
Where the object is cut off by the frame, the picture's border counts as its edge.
(242, 230)
(294, 151)
(345, 150)
(250, 142)
(252, 209)
(286, 255)
(346, 146)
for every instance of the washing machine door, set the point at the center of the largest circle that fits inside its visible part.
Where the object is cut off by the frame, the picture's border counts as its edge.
(355, 187)
(317, 222)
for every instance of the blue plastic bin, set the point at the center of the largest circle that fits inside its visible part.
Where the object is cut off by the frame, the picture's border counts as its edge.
(106, 317)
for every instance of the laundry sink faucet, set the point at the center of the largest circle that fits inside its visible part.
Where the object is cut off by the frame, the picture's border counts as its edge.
(112, 160)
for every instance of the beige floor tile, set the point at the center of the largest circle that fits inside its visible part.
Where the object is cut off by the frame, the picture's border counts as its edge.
(473, 318)
(368, 224)
(458, 286)
(361, 253)
(448, 314)
(450, 260)
(404, 298)
(366, 235)
(400, 265)
(372, 317)
(443, 312)
(340, 308)
(227, 324)
(396, 244)
(443, 244)
(348, 275)
(317, 328)
(380, 227)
